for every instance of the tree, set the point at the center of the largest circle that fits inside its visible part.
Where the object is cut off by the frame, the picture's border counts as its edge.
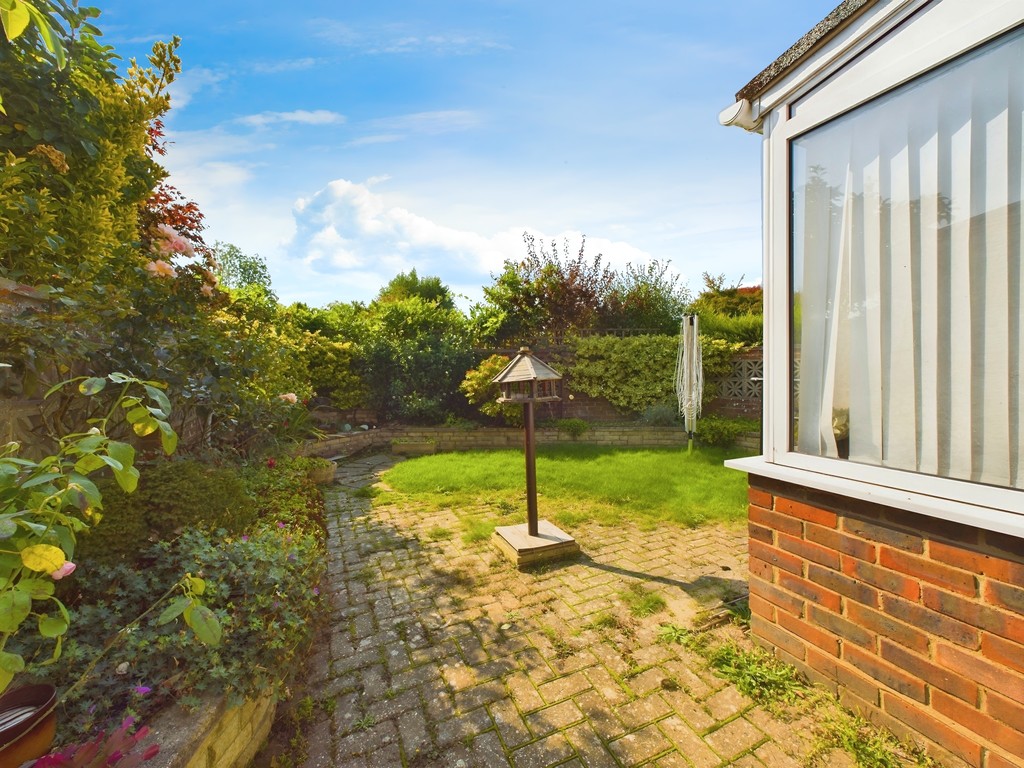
(430, 289)
(732, 300)
(237, 269)
(646, 298)
(549, 292)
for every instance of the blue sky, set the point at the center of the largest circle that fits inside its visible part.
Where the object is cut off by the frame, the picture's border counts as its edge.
(346, 142)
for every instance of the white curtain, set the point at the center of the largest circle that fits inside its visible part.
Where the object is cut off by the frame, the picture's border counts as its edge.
(907, 292)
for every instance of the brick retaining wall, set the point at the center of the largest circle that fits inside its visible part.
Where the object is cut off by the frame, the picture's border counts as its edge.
(916, 622)
(217, 736)
(455, 439)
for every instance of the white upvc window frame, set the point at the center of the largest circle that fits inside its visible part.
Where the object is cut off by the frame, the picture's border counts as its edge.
(892, 44)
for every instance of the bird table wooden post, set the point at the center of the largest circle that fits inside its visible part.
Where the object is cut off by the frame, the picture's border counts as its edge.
(527, 380)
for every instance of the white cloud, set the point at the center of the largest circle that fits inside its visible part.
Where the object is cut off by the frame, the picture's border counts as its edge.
(284, 65)
(190, 82)
(356, 241)
(386, 130)
(403, 39)
(301, 116)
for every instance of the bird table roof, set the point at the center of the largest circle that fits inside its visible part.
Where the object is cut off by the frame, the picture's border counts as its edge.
(526, 367)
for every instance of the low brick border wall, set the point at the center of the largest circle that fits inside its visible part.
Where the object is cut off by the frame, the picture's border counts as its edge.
(217, 736)
(916, 622)
(456, 439)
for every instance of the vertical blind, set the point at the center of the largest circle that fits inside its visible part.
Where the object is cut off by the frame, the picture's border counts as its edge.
(906, 275)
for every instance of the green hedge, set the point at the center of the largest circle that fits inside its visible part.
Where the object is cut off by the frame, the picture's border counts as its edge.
(635, 372)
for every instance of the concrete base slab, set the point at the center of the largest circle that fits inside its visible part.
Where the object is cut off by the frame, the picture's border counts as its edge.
(550, 543)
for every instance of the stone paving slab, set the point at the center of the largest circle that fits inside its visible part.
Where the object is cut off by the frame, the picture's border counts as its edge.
(441, 653)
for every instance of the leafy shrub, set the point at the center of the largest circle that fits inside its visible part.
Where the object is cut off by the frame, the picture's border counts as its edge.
(480, 389)
(575, 428)
(660, 415)
(631, 373)
(171, 496)
(263, 588)
(743, 329)
(282, 492)
(723, 432)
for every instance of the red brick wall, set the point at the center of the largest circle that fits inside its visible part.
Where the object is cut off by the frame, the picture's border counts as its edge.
(916, 622)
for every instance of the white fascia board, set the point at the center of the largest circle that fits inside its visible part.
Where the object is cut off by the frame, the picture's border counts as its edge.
(986, 518)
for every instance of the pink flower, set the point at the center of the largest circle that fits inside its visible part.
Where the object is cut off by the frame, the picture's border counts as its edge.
(169, 241)
(207, 291)
(160, 268)
(289, 397)
(271, 463)
(65, 570)
(141, 690)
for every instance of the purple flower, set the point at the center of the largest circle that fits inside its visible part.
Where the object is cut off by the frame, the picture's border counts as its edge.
(245, 538)
(316, 590)
(280, 525)
(141, 690)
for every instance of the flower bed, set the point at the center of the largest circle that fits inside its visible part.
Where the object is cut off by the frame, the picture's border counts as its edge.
(262, 586)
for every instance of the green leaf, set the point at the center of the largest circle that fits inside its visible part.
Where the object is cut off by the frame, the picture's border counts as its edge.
(15, 607)
(204, 623)
(137, 414)
(45, 477)
(128, 479)
(120, 378)
(49, 39)
(90, 443)
(92, 385)
(57, 648)
(146, 426)
(168, 437)
(8, 528)
(111, 462)
(123, 452)
(159, 397)
(89, 463)
(174, 610)
(52, 626)
(11, 662)
(37, 589)
(88, 487)
(15, 18)
(196, 585)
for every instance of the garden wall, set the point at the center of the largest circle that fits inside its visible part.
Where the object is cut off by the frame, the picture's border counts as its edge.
(456, 439)
(217, 736)
(916, 622)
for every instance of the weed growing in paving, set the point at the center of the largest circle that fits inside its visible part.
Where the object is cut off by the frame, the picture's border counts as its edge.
(869, 746)
(365, 723)
(643, 602)
(478, 529)
(367, 492)
(437, 533)
(778, 686)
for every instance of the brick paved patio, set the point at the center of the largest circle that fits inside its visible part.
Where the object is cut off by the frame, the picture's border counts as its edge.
(440, 653)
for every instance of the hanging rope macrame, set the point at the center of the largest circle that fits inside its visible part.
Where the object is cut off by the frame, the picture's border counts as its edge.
(689, 373)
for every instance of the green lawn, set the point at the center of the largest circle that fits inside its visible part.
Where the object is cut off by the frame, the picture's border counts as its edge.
(578, 483)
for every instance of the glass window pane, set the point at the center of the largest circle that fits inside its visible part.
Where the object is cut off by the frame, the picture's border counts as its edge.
(906, 276)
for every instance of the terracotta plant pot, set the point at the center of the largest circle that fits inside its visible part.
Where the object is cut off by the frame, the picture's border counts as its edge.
(28, 722)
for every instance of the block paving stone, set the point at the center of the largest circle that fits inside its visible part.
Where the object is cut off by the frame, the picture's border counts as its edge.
(440, 653)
